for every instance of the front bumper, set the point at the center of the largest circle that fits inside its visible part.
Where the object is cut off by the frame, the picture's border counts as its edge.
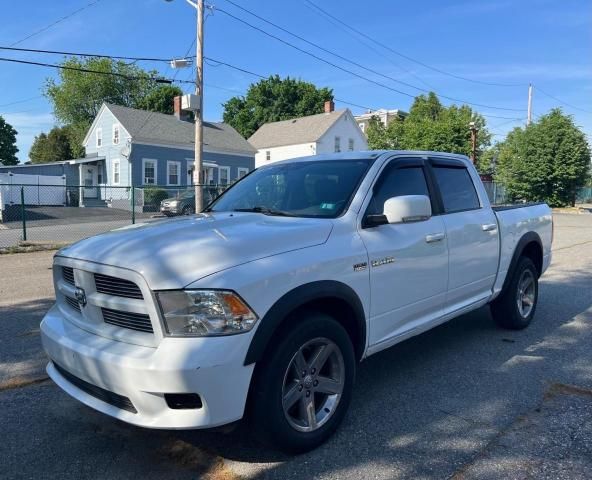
(168, 210)
(211, 367)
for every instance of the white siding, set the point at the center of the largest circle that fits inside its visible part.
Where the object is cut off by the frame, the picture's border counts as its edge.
(345, 128)
(284, 152)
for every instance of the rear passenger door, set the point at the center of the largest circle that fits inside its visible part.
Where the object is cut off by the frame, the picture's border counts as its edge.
(471, 230)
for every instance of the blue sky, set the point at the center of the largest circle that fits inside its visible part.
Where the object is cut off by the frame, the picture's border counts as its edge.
(546, 42)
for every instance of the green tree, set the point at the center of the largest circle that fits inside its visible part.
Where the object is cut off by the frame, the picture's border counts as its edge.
(52, 147)
(546, 161)
(431, 126)
(274, 99)
(160, 99)
(77, 96)
(8, 148)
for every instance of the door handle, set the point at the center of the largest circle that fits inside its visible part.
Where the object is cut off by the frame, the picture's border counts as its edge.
(434, 237)
(489, 227)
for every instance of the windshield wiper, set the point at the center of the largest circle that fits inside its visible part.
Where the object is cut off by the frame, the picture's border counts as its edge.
(264, 211)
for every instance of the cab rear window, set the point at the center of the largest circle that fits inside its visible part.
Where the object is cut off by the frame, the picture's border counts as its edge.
(457, 189)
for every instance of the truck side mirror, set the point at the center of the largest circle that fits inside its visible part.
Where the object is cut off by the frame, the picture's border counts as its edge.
(407, 208)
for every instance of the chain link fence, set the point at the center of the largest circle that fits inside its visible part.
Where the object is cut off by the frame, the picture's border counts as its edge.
(62, 214)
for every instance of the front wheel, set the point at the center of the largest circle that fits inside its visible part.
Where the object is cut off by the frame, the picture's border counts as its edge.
(303, 387)
(515, 307)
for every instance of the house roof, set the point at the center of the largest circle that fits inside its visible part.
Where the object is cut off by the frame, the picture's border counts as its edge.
(154, 127)
(294, 131)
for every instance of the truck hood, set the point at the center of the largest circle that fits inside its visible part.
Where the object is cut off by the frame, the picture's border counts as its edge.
(174, 253)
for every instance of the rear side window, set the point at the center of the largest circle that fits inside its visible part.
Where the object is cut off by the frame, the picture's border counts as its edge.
(458, 191)
(396, 182)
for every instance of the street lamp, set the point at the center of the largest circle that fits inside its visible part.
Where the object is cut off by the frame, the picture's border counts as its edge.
(199, 5)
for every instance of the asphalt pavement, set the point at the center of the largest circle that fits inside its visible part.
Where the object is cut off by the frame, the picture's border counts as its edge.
(466, 400)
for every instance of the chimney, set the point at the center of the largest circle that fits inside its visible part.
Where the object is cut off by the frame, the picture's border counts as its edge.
(329, 106)
(179, 112)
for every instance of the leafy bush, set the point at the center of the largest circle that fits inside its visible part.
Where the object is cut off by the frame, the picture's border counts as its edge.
(154, 195)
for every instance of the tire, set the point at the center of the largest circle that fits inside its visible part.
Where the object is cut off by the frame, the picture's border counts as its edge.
(293, 430)
(516, 306)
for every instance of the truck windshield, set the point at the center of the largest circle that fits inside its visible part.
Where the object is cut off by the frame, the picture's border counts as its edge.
(320, 189)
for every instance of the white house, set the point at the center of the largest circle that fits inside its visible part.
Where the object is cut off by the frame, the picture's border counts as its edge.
(332, 131)
(385, 116)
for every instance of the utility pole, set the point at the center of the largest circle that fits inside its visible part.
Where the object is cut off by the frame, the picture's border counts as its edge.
(199, 117)
(529, 114)
(474, 131)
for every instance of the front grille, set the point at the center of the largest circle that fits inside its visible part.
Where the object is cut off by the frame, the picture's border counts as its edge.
(73, 303)
(133, 321)
(106, 396)
(68, 275)
(117, 287)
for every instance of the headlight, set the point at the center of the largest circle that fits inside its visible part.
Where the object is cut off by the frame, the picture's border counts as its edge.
(174, 203)
(204, 313)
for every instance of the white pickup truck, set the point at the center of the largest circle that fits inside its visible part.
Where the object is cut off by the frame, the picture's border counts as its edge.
(263, 305)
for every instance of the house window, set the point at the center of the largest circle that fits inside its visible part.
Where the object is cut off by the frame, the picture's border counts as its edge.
(350, 144)
(149, 171)
(173, 173)
(268, 155)
(116, 172)
(362, 126)
(338, 144)
(223, 175)
(99, 134)
(116, 134)
(242, 171)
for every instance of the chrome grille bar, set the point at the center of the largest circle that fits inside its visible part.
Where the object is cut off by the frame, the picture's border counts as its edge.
(117, 287)
(134, 321)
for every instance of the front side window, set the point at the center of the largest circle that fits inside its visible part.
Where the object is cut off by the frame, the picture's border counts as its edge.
(337, 144)
(395, 182)
(173, 169)
(116, 134)
(457, 189)
(116, 172)
(320, 189)
(149, 171)
(99, 134)
(224, 175)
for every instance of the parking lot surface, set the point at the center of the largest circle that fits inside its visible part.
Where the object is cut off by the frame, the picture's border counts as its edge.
(466, 400)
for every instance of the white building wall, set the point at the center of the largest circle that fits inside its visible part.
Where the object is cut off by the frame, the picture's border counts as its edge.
(284, 153)
(345, 128)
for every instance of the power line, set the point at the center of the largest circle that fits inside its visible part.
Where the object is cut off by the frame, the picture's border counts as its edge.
(21, 101)
(561, 101)
(86, 70)
(374, 49)
(351, 72)
(78, 54)
(407, 57)
(37, 32)
(234, 67)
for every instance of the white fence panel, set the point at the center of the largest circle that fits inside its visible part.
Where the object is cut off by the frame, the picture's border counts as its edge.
(39, 189)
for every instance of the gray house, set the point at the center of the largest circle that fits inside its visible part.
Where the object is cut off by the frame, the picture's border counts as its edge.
(126, 146)
(137, 147)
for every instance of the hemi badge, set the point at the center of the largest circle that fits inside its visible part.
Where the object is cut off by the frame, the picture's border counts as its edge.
(383, 261)
(358, 267)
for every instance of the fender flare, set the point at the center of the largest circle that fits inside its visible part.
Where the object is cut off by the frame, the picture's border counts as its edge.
(526, 239)
(296, 298)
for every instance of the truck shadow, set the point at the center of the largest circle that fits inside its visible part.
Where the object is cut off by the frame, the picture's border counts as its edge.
(430, 404)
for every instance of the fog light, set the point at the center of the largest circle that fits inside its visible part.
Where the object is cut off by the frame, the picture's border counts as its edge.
(183, 401)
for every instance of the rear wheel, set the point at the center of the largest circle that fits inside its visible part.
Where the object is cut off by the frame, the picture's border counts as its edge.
(516, 306)
(303, 386)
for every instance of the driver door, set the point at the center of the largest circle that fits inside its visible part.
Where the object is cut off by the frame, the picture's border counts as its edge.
(408, 261)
